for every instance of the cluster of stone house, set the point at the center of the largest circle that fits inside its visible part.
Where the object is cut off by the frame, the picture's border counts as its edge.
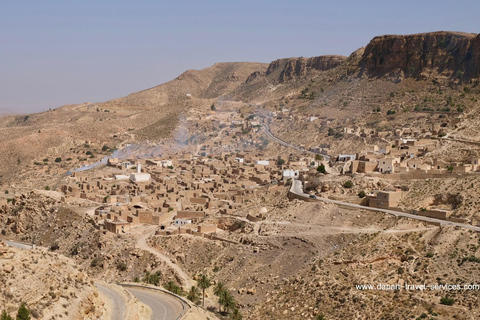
(402, 156)
(389, 199)
(183, 190)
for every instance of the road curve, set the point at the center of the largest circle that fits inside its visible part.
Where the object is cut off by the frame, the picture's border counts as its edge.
(118, 302)
(164, 306)
(18, 245)
(298, 190)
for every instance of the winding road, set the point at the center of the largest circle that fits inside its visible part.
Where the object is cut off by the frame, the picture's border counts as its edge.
(117, 301)
(187, 282)
(270, 136)
(164, 306)
(298, 190)
(18, 245)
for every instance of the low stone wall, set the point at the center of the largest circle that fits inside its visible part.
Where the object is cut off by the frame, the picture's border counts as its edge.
(421, 175)
(291, 196)
(459, 220)
(209, 236)
(431, 214)
(190, 214)
(254, 219)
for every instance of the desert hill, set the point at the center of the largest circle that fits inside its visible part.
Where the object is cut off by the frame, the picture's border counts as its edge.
(304, 258)
(209, 83)
(417, 73)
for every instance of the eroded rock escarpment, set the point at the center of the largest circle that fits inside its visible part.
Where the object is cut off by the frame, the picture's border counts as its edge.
(287, 69)
(453, 54)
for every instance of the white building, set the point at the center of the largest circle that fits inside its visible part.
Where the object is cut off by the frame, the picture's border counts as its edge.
(263, 162)
(287, 174)
(139, 176)
(182, 222)
(387, 165)
(346, 157)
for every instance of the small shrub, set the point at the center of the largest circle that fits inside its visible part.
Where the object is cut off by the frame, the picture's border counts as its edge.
(121, 266)
(95, 262)
(361, 194)
(348, 184)
(447, 301)
(321, 169)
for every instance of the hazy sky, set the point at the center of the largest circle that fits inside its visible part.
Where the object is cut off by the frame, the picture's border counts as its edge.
(65, 52)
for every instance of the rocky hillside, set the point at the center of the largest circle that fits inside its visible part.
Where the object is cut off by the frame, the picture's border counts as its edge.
(283, 70)
(209, 83)
(423, 72)
(449, 54)
(50, 284)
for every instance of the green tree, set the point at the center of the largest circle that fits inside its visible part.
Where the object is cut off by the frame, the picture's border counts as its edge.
(153, 278)
(361, 194)
(212, 107)
(194, 294)
(203, 283)
(58, 159)
(172, 287)
(321, 168)
(5, 316)
(280, 162)
(228, 301)
(146, 277)
(236, 315)
(219, 290)
(23, 313)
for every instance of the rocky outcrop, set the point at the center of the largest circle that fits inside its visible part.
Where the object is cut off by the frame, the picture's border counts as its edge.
(292, 68)
(456, 54)
(51, 285)
(254, 76)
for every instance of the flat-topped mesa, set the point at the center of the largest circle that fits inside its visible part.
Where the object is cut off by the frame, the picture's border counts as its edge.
(293, 68)
(457, 54)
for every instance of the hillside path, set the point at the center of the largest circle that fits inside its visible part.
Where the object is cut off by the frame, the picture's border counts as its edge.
(186, 280)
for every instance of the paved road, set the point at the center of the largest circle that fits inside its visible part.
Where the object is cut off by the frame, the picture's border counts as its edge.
(164, 306)
(269, 134)
(298, 189)
(118, 302)
(18, 245)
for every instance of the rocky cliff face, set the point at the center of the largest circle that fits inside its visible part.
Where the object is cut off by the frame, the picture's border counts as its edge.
(455, 54)
(292, 68)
